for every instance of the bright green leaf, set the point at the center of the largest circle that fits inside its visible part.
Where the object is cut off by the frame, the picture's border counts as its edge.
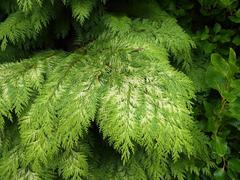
(213, 125)
(220, 64)
(214, 79)
(232, 62)
(232, 56)
(220, 146)
(208, 47)
(234, 108)
(235, 86)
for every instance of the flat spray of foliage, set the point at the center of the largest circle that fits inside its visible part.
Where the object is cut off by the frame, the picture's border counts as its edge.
(114, 108)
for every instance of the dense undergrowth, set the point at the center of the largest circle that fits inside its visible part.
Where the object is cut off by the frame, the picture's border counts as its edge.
(125, 89)
(214, 26)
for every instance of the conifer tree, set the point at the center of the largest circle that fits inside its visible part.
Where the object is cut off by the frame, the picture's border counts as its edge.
(105, 103)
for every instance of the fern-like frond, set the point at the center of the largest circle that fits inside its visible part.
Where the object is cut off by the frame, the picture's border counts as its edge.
(140, 110)
(176, 41)
(27, 5)
(19, 27)
(78, 105)
(117, 24)
(9, 165)
(81, 9)
(73, 164)
(20, 80)
(119, 83)
(38, 125)
(158, 25)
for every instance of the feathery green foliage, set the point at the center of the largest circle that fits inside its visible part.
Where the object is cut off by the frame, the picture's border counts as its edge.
(112, 107)
(81, 9)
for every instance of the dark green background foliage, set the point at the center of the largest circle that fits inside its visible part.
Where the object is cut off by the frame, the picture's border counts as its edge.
(215, 27)
(120, 89)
